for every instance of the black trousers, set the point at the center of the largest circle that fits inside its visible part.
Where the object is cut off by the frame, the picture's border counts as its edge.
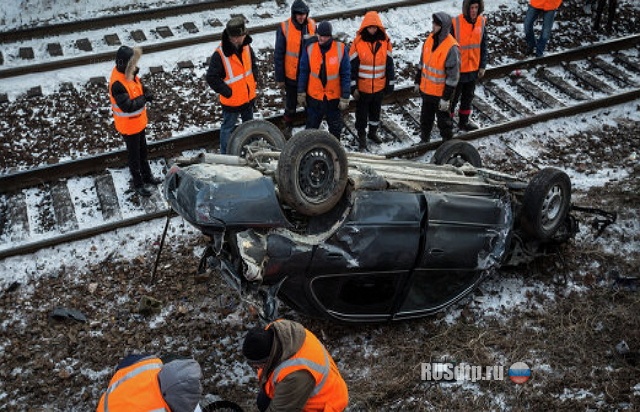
(137, 158)
(464, 93)
(290, 102)
(428, 113)
(368, 109)
(317, 110)
(611, 14)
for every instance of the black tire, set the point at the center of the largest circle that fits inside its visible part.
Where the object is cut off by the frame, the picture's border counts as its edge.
(254, 131)
(456, 152)
(312, 172)
(546, 203)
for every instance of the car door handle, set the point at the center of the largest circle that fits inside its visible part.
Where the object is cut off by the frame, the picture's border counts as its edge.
(436, 252)
(334, 256)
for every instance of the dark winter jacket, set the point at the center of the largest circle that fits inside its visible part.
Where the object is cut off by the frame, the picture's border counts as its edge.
(466, 77)
(217, 73)
(345, 69)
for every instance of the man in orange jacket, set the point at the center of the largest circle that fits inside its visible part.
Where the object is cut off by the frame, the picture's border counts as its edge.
(128, 101)
(232, 73)
(468, 30)
(295, 371)
(372, 75)
(547, 9)
(145, 383)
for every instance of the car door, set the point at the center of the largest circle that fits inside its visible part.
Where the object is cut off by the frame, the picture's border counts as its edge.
(464, 236)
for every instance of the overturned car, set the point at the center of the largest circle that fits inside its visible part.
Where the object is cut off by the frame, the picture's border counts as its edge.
(356, 237)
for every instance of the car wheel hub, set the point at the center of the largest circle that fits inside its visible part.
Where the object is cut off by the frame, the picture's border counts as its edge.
(457, 161)
(316, 172)
(551, 207)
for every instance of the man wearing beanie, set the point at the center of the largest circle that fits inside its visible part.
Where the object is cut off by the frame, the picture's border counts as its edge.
(129, 100)
(232, 74)
(325, 76)
(291, 37)
(437, 77)
(295, 371)
(468, 30)
(148, 383)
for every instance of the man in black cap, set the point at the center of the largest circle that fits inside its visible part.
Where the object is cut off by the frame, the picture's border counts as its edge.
(128, 101)
(232, 74)
(291, 37)
(295, 371)
(324, 81)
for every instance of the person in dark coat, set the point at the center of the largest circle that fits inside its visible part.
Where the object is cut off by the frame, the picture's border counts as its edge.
(237, 89)
(129, 99)
(469, 30)
(291, 38)
(372, 75)
(437, 77)
(324, 81)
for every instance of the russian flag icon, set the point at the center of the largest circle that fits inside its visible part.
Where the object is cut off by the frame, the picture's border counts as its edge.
(519, 373)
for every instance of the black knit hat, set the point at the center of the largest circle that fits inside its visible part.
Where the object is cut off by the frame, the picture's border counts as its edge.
(437, 20)
(236, 27)
(299, 7)
(324, 28)
(257, 344)
(123, 55)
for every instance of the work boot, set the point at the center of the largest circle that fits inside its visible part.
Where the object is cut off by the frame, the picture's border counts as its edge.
(142, 190)
(288, 130)
(153, 181)
(466, 124)
(362, 140)
(373, 134)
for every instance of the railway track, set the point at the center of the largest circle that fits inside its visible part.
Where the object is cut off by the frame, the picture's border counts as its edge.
(61, 203)
(187, 34)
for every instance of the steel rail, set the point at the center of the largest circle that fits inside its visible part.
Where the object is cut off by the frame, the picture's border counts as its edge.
(29, 33)
(189, 41)
(209, 138)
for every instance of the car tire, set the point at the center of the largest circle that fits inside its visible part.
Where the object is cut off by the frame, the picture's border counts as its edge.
(456, 152)
(254, 131)
(546, 203)
(312, 172)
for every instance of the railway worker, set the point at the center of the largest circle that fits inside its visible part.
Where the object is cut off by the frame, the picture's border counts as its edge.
(147, 383)
(468, 30)
(437, 77)
(129, 100)
(231, 73)
(323, 83)
(291, 37)
(295, 371)
(547, 9)
(372, 75)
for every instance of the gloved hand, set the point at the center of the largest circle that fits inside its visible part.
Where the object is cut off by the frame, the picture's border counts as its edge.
(443, 106)
(356, 94)
(302, 99)
(344, 104)
(480, 73)
(148, 96)
(416, 88)
(389, 89)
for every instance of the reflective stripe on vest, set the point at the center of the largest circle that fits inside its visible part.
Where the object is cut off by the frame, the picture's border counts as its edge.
(433, 65)
(333, 58)
(127, 123)
(294, 43)
(469, 38)
(321, 369)
(141, 378)
(373, 66)
(239, 77)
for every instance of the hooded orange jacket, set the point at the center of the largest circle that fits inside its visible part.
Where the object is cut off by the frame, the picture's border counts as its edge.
(373, 56)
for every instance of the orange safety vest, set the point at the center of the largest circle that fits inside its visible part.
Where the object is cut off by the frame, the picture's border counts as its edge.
(469, 38)
(433, 65)
(373, 66)
(546, 5)
(239, 77)
(333, 57)
(127, 123)
(294, 42)
(135, 388)
(330, 392)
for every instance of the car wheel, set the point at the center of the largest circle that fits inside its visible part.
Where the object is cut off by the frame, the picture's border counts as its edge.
(312, 172)
(255, 132)
(456, 152)
(546, 202)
